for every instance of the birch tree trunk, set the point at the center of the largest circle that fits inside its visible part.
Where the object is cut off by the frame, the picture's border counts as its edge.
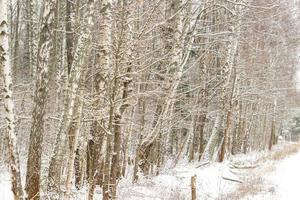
(178, 62)
(16, 52)
(229, 69)
(79, 105)
(115, 166)
(105, 61)
(273, 127)
(30, 37)
(14, 164)
(124, 44)
(77, 125)
(54, 179)
(69, 34)
(224, 107)
(41, 90)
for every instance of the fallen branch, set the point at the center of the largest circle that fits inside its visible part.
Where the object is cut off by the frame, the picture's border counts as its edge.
(203, 164)
(231, 179)
(244, 167)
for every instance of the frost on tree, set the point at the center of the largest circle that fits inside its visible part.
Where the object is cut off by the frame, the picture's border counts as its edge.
(9, 104)
(33, 179)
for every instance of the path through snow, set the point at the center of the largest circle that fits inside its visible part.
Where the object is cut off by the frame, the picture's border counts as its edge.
(286, 178)
(278, 180)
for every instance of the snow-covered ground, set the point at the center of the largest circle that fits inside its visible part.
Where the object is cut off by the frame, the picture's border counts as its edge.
(5, 192)
(283, 181)
(174, 184)
(268, 179)
(286, 177)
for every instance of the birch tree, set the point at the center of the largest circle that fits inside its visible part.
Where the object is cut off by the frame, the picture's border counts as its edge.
(140, 86)
(6, 71)
(33, 177)
(79, 99)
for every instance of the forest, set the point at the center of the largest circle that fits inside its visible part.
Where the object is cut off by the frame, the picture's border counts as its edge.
(95, 93)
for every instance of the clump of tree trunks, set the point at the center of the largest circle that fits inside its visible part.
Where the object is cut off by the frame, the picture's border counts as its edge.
(120, 87)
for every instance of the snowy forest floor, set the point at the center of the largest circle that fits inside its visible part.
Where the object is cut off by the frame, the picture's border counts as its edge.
(256, 176)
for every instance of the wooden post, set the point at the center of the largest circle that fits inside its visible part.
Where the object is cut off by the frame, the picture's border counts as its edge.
(193, 187)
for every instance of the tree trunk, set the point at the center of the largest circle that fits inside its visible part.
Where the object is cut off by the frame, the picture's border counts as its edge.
(79, 106)
(214, 139)
(115, 165)
(9, 105)
(105, 61)
(16, 56)
(273, 128)
(228, 121)
(69, 34)
(201, 122)
(30, 37)
(67, 116)
(77, 125)
(41, 90)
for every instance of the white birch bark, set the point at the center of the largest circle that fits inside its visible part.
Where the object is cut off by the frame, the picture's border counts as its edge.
(179, 60)
(78, 123)
(67, 117)
(9, 104)
(79, 106)
(105, 61)
(215, 137)
(180, 64)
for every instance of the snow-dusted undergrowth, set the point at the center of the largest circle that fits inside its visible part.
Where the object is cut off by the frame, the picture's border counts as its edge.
(174, 182)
